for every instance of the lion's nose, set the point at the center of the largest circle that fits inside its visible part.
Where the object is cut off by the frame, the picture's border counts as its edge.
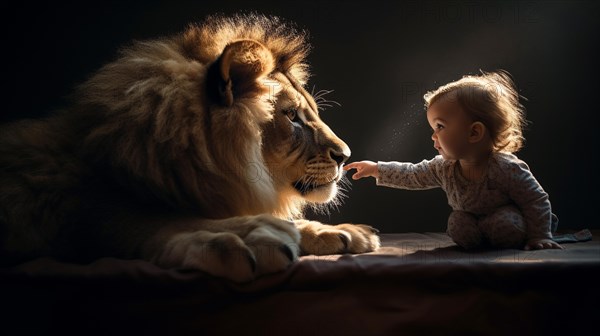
(339, 156)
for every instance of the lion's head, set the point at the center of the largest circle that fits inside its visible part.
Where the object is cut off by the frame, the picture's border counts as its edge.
(216, 119)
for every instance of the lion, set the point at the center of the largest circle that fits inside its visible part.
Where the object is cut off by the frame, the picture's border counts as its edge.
(198, 151)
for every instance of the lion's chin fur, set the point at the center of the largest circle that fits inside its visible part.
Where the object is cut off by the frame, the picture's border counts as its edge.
(322, 194)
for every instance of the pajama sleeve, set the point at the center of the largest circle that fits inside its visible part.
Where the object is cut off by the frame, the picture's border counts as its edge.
(413, 176)
(532, 200)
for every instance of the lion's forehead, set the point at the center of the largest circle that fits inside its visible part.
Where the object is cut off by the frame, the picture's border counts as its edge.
(286, 96)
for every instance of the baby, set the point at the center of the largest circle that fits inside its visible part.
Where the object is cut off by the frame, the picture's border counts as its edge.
(477, 125)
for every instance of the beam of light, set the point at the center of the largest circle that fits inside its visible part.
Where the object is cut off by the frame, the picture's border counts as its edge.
(397, 135)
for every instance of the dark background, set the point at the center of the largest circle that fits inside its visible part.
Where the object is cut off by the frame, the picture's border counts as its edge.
(380, 58)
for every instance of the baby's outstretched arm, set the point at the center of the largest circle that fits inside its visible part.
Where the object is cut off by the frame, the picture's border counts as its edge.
(363, 169)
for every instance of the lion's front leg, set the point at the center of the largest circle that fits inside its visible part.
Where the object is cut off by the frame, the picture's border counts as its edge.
(238, 248)
(321, 239)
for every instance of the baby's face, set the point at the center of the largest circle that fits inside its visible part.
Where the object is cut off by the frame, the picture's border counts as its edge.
(451, 128)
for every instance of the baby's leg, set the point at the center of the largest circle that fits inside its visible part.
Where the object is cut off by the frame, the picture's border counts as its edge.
(462, 228)
(504, 228)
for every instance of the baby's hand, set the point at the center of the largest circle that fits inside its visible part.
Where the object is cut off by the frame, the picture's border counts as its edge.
(363, 169)
(540, 244)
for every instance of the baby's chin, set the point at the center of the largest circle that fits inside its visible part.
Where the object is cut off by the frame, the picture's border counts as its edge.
(446, 156)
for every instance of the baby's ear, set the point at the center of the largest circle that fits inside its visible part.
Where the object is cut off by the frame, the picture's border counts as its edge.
(477, 132)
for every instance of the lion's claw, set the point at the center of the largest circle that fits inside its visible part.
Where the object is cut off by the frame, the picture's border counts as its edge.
(345, 240)
(288, 252)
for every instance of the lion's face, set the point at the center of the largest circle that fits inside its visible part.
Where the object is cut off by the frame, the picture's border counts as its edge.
(266, 122)
(303, 154)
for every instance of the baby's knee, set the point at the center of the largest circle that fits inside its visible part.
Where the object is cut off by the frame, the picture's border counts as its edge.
(463, 229)
(504, 228)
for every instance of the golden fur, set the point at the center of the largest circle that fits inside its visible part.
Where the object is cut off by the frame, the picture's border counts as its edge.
(192, 151)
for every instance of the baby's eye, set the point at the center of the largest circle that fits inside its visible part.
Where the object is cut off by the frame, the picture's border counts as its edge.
(437, 127)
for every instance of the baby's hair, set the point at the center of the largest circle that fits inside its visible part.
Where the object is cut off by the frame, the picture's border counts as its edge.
(492, 99)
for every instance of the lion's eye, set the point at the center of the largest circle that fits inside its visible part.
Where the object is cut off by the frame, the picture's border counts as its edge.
(292, 114)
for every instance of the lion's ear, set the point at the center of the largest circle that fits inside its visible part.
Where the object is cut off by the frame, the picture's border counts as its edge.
(237, 69)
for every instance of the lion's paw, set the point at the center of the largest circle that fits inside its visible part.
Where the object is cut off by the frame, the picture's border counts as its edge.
(245, 248)
(322, 239)
(275, 243)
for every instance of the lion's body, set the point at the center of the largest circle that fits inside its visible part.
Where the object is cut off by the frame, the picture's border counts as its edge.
(181, 151)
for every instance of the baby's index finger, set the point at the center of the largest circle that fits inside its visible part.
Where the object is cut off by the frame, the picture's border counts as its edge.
(350, 166)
